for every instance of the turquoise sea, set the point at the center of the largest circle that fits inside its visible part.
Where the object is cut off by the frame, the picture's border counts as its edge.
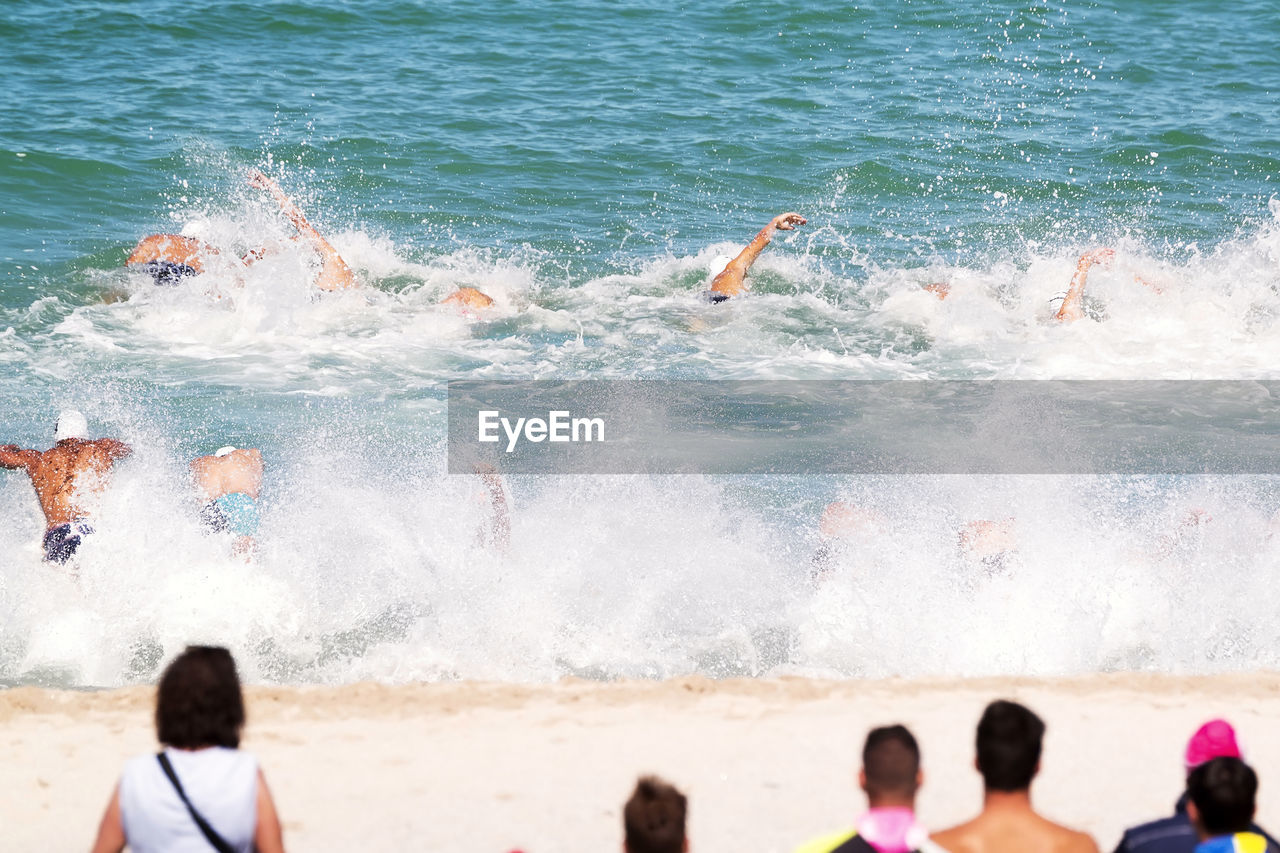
(584, 164)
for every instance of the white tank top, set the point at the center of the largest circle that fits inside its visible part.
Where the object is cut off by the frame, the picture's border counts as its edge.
(221, 783)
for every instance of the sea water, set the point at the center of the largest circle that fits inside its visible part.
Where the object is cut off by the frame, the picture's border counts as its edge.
(584, 164)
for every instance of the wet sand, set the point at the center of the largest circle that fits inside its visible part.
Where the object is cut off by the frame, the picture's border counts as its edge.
(540, 768)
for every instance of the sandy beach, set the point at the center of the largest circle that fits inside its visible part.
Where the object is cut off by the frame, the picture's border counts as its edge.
(766, 763)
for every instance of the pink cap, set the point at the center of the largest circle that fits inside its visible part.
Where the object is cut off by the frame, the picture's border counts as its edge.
(1215, 739)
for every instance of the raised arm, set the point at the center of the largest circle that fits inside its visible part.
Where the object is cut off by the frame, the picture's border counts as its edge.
(1072, 307)
(335, 274)
(729, 282)
(12, 457)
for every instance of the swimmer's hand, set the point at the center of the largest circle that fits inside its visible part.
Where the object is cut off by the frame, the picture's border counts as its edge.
(788, 221)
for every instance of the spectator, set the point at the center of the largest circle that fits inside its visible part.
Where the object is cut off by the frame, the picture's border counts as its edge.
(201, 792)
(654, 818)
(1215, 739)
(1009, 742)
(1223, 798)
(890, 776)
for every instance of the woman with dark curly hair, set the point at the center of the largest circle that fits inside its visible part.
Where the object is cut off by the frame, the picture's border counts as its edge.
(201, 792)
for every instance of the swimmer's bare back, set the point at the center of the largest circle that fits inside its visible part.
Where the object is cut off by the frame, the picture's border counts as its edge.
(58, 473)
(173, 249)
(468, 297)
(238, 471)
(730, 281)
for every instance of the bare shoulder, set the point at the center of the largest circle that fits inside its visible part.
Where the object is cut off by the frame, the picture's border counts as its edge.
(112, 447)
(169, 247)
(250, 456)
(1067, 840)
(1074, 841)
(958, 839)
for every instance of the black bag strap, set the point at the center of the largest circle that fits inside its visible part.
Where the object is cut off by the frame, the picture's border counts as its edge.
(210, 835)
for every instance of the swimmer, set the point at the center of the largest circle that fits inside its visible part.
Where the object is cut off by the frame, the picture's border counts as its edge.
(730, 282)
(169, 258)
(334, 272)
(842, 523)
(228, 483)
(69, 478)
(990, 544)
(1072, 307)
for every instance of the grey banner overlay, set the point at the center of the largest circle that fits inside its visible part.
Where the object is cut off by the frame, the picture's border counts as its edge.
(801, 427)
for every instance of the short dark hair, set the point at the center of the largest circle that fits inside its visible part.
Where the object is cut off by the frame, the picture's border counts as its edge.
(1224, 791)
(654, 817)
(891, 761)
(198, 703)
(1010, 738)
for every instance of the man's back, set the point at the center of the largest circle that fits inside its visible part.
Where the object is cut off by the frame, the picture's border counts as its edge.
(70, 475)
(237, 471)
(1013, 830)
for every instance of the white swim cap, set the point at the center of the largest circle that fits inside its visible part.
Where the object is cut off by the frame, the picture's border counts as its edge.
(224, 451)
(718, 263)
(71, 424)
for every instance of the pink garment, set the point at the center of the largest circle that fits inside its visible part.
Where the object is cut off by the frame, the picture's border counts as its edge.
(1215, 739)
(892, 830)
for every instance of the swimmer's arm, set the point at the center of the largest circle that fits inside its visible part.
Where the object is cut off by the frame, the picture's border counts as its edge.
(335, 274)
(498, 501)
(117, 450)
(729, 281)
(1072, 307)
(111, 830)
(12, 457)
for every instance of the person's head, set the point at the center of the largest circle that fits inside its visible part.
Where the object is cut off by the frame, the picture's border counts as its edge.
(1010, 737)
(1215, 739)
(70, 424)
(1222, 795)
(198, 703)
(890, 767)
(224, 451)
(654, 818)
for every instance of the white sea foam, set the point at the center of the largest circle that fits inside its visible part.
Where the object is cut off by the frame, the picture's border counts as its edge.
(370, 562)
